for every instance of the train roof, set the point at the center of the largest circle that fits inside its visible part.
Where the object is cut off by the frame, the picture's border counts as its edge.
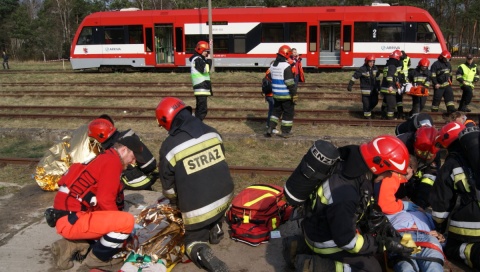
(391, 10)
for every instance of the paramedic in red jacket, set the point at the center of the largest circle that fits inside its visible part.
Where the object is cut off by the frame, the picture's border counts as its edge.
(195, 176)
(94, 212)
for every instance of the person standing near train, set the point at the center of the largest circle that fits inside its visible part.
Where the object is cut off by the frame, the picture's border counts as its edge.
(442, 82)
(200, 72)
(5, 60)
(284, 93)
(467, 75)
(390, 85)
(369, 83)
(297, 67)
(420, 79)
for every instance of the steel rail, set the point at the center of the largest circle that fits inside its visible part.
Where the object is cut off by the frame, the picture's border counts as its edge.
(212, 110)
(311, 121)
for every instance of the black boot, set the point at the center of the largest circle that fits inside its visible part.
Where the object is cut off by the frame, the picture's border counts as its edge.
(202, 256)
(216, 234)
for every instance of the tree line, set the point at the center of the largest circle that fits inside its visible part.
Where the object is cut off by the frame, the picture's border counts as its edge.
(44, 29)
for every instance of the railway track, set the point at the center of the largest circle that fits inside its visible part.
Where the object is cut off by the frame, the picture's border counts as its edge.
(250, 170)
(261, 112)
(116, 94)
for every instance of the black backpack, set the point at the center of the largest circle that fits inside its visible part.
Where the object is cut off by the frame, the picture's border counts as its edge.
(266, 86)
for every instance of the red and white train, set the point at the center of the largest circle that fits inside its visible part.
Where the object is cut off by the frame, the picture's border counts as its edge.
(327, 37)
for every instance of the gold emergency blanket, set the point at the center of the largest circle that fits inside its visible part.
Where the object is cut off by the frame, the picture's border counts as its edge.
(160, 235)
(60, 156)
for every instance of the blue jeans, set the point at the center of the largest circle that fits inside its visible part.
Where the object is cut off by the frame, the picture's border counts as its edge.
(422, 265)
(269, 100)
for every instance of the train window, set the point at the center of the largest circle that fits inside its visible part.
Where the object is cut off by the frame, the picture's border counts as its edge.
(192, 40)
(347, 38)
(297, 32)
(272, 33)
(364, 32)
(425, 33)
(86, 36)
(390, 32)
(135, 34)
(312, 41)
(239, 44)
(179, 39)
(114, 35)
(220, 44)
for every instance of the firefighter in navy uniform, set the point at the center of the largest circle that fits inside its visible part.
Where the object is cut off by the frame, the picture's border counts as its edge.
(442, 81)
(454, 198)
(421, 144)
(140, 176)
(467, 75)
(391, 84)
(369, 84)
(341, 223)
(196, 178)
(284, 93)
(420, 77)
(200, 73)
(406, 63)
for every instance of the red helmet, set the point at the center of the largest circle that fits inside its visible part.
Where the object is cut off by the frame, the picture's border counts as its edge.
(397, 54)
(369, 58)
(424, 62)
(100, 129)
(448, 134)
(285, 51)
(202, 46)
(445, 54)
(424, 146)
(167, 109)
(385, 153)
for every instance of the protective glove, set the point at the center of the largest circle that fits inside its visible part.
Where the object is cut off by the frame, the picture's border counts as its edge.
(350, 85)
(394, 246)
(409, 206)
(294, 99)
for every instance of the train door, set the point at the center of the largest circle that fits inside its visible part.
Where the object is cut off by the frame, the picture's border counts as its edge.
(330, 43)
(164, 43)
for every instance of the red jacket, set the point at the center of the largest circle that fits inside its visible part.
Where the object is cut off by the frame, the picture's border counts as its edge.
(105, 170)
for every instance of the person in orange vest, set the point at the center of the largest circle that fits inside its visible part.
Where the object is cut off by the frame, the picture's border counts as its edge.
(296, 62)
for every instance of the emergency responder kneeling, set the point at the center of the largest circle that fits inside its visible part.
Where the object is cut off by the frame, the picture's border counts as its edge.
(342, 227)
(87, 210)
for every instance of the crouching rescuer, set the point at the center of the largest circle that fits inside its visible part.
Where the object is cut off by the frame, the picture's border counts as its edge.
(342, 229)
(87, 209)
(195, 177)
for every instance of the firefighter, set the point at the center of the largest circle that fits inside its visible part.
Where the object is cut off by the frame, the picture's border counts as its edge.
(467, 75)
(200, 73)
(414, 122)
(420, 80)
(88, 207)
(421, 144)
(341, 223)
(442, 81)
(390, 85)
(195, 177)
(406, 63)
(454, 198)
(284, 93)
(140, 176)
(369, 83)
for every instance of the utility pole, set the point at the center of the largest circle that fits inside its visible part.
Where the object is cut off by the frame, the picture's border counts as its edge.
(210, 34)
